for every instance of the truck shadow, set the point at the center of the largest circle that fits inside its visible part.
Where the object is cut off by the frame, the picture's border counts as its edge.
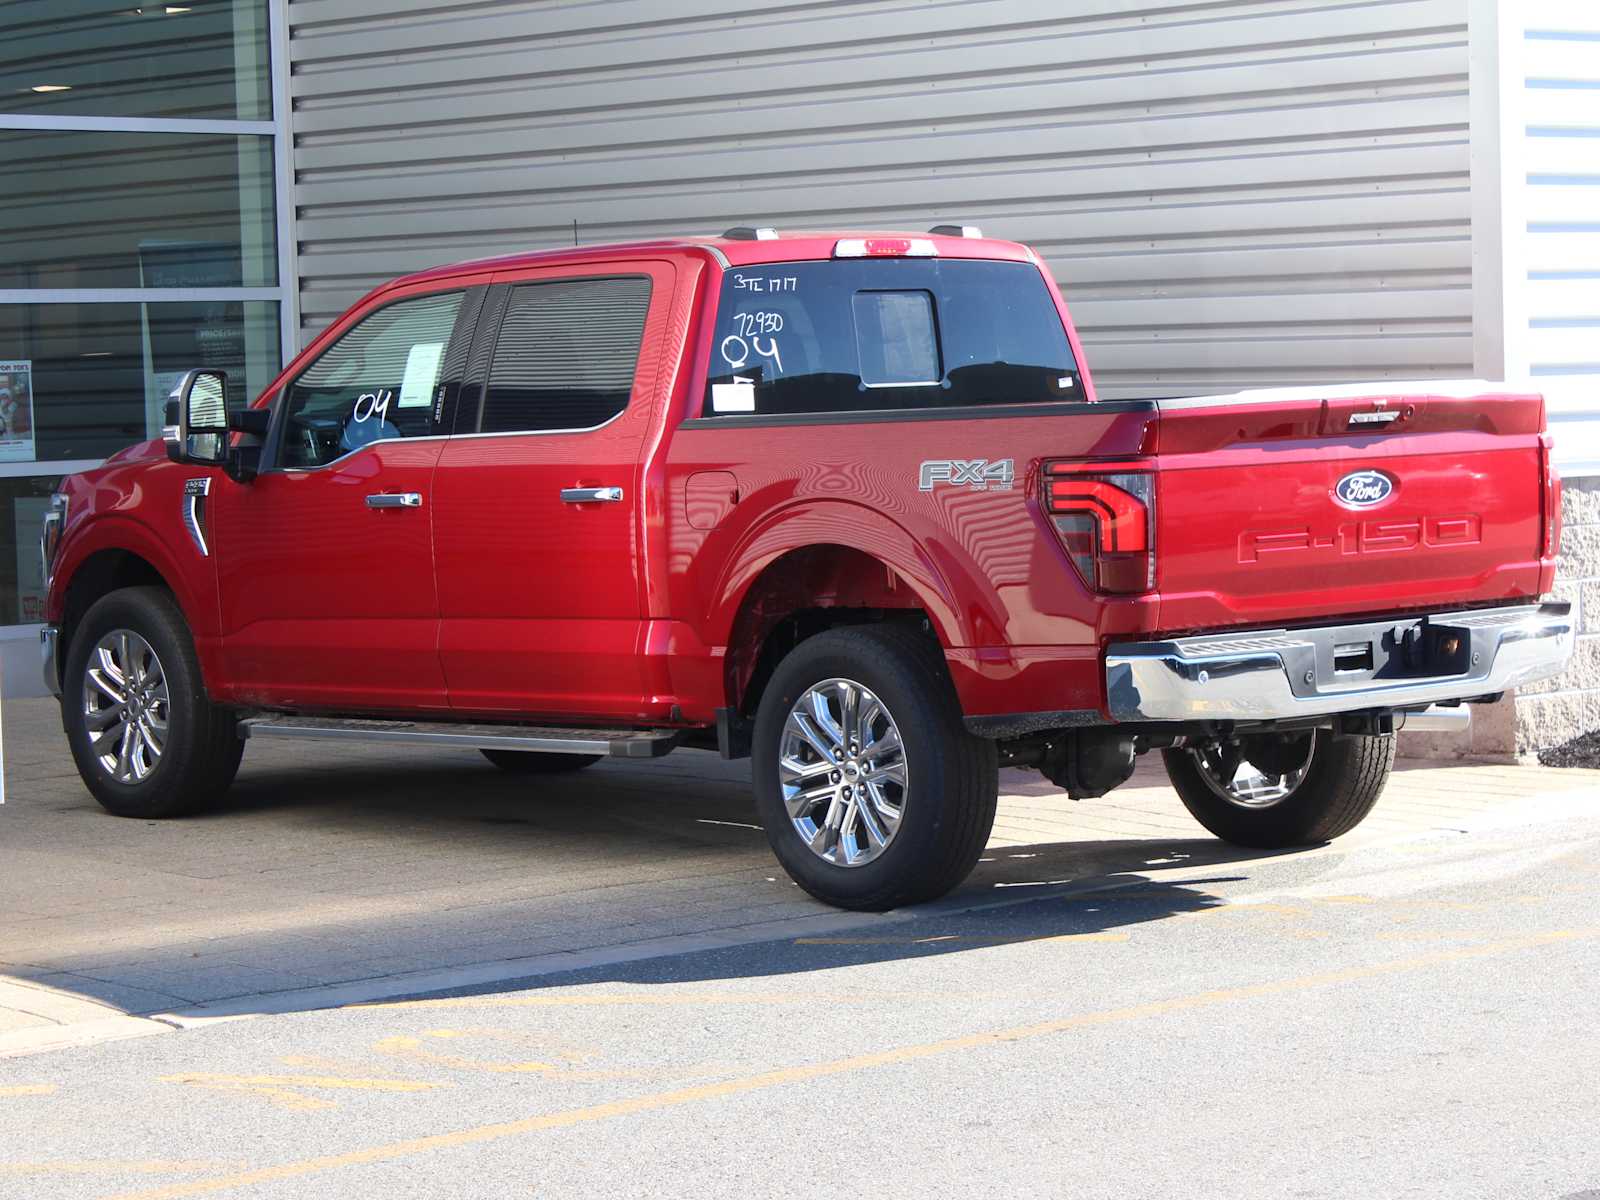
(1090, 920)
(1109, 900)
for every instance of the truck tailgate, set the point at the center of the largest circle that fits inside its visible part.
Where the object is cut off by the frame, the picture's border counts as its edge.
(1290, 507)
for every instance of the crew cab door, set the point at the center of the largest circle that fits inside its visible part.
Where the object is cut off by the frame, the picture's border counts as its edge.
(326, 558)
(537, 512)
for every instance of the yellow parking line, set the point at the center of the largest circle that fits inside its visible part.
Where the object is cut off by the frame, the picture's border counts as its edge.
(563, 1064)
(28, 1089)
(317, 1081)
(281, 1090)
(651, 1000)
(785, 1076)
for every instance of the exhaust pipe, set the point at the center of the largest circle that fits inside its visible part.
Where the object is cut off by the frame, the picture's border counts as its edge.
(1439, 719)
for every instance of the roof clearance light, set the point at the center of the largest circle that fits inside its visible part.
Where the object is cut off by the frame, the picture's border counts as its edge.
(885, 248)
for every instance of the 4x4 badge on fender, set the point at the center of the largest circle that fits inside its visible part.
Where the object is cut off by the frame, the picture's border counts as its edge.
(1363, 489)
(977, 473)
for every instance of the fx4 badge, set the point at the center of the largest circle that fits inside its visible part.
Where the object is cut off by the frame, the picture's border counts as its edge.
(980, 474)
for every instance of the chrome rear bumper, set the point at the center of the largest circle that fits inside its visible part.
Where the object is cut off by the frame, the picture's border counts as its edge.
(1284, 673)
(49, 640)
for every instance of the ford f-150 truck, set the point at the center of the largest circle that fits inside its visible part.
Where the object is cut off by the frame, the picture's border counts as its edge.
(844, 503)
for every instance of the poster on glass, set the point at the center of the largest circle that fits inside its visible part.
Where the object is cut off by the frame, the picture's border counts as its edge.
(27, 516)
(16, 411)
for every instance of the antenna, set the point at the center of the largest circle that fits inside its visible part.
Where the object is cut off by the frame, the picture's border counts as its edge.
(574, 231)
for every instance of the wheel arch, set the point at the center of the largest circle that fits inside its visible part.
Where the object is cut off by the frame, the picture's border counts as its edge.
(117, 553)
(804, 590)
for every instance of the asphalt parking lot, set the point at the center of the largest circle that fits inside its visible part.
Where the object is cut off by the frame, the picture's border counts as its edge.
(623, 996)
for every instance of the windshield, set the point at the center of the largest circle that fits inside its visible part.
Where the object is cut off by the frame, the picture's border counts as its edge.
(906, 333)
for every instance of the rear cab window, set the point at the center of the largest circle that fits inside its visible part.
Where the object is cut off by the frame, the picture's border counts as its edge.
(889, 334)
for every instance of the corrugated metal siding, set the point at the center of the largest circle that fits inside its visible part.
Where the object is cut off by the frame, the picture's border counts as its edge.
(1231, 193)
(1560, 107)
(1550, 188)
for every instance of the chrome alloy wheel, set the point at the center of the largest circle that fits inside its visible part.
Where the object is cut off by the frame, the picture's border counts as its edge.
(125, 706)
(842, 772)
(1241, 782)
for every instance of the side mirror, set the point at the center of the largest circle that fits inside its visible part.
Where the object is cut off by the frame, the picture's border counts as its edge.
(200, 435)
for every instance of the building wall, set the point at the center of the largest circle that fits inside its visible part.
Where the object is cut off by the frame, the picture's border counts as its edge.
(1536, 133)
(1231, 194)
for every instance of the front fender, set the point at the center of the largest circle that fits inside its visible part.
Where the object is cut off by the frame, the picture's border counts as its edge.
(190, 577)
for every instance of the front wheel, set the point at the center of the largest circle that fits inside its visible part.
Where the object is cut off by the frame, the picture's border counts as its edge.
(146, 738)
(871, 791)
(1276, 792)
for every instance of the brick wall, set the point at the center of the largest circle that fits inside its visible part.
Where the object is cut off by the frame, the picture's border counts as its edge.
(1561, 709)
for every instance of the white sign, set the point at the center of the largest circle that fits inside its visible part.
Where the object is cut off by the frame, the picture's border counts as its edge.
(16, 411)
(422, 372)
(28, 516)
(738, 396)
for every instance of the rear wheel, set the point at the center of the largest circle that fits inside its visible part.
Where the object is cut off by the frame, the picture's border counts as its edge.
(1276, 792)
(146, 738)
(530, 762)
(872, 792)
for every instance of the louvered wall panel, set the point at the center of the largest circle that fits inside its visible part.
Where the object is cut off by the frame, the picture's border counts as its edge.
(1230, 193)
(1560, 112)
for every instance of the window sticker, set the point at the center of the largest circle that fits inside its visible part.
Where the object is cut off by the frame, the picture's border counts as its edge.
(738, 396)
(422, 372)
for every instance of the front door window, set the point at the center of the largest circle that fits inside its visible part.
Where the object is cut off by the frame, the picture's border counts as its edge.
(378, 382)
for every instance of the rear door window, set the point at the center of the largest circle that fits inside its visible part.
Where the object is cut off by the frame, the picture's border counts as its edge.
(565, 356)
(857, 336)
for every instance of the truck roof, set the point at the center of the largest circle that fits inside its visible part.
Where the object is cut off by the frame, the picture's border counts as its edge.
(734, 251)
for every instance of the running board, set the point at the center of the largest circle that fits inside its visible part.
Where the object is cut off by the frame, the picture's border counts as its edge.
(538, 739)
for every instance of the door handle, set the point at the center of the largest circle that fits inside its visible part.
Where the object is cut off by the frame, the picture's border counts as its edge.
(607, 495)
(395, 500)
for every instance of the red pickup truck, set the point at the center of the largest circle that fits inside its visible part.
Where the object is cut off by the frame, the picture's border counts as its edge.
(845, 503)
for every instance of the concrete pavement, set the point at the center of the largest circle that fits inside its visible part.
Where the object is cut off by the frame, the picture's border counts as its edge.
(336, 874)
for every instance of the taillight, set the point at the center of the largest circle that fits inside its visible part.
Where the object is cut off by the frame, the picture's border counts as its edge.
(1106, 522)
(1551, 497)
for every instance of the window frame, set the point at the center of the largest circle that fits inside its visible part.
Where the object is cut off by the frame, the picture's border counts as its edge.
(486, 344)
(471, 292)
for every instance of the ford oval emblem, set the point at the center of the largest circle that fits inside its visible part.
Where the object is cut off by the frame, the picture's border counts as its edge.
(1363, 489)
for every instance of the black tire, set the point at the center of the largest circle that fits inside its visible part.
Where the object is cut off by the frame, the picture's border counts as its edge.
(1345, 777)
(953, 777)
(202, 748)
(531, 762)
